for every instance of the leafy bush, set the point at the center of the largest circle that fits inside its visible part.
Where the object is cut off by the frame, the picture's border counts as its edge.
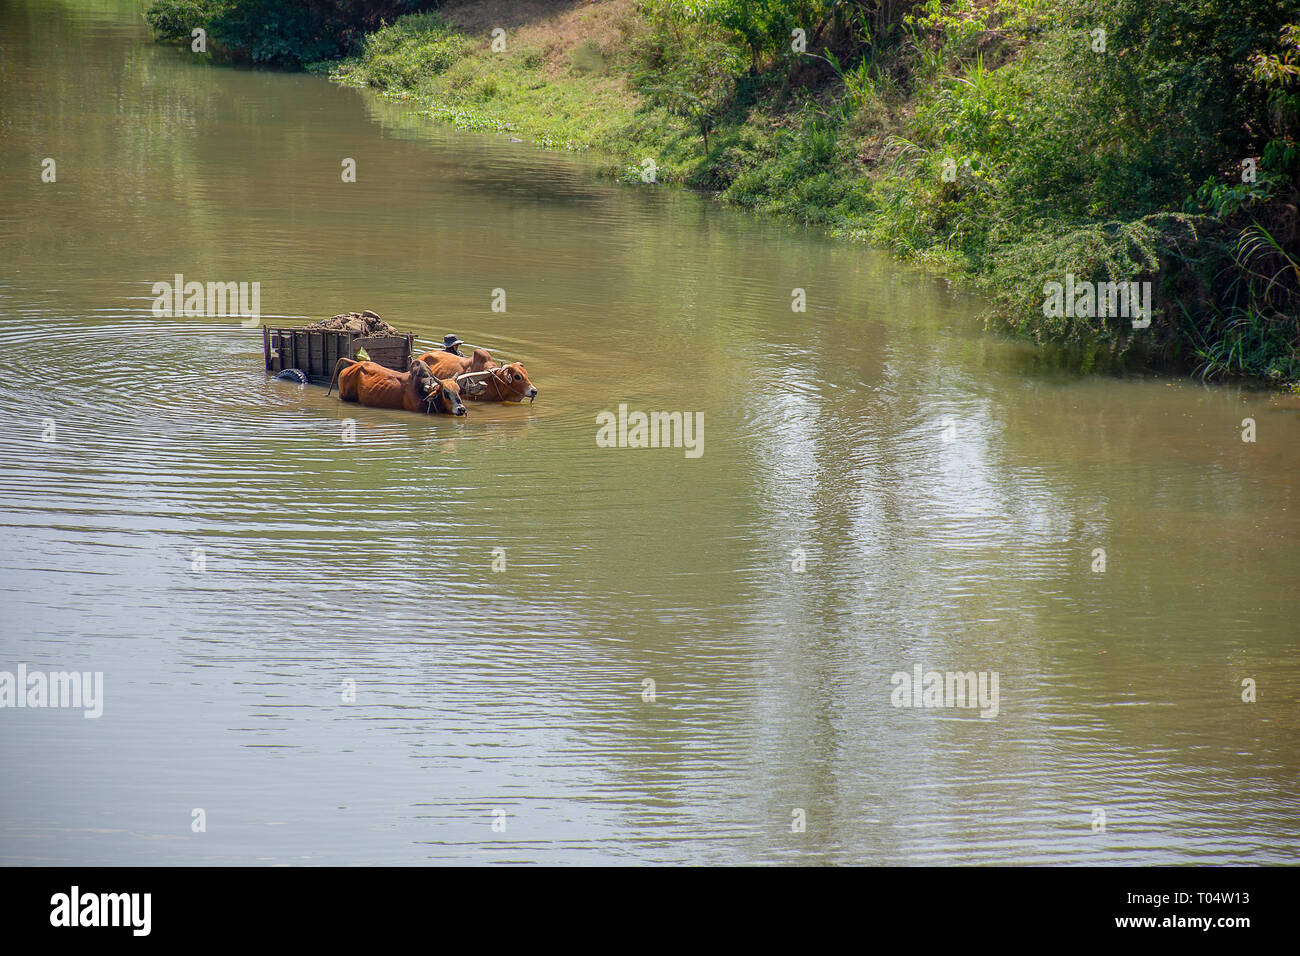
(413, 48)
(283, 32)
(174, 19)
(1073, 160)
(691, 74)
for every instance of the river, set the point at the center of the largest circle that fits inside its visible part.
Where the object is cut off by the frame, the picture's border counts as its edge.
(686, 658)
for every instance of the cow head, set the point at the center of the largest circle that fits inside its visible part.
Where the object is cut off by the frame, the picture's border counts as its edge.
(441, 398)
(445, 398)
(422, 379)
(513, 383)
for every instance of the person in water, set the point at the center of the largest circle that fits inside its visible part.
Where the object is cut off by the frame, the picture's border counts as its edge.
(451, 344)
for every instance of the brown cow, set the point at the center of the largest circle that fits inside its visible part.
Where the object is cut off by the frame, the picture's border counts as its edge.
(415, 390)
(507, 383)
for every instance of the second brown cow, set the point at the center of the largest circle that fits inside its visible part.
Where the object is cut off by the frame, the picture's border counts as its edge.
(494, 383)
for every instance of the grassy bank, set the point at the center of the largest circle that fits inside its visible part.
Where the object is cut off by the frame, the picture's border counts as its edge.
(1013, 143)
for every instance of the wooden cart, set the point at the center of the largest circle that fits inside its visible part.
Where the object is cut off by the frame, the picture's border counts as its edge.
(315, 352)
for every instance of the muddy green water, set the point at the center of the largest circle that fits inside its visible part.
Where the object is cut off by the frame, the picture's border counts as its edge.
(519, 695)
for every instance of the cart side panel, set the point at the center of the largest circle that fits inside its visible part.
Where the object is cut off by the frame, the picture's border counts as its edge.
(390, 351)
(316, 352)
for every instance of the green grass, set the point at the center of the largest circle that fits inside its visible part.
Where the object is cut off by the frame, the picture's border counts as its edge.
(459, 81)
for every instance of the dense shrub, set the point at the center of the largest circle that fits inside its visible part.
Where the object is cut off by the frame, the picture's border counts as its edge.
(174, 19)
(283, 32)
(413, 48)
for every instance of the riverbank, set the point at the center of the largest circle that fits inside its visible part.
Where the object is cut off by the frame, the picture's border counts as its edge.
(1055, 164)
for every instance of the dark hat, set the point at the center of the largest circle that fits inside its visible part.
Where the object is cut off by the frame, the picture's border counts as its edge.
(450, 342)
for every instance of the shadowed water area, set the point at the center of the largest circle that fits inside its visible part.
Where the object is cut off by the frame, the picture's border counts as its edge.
(481, 692)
